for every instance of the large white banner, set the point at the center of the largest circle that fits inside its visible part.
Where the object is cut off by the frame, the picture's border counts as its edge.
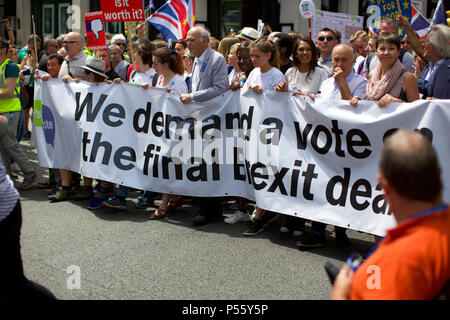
(312, 159)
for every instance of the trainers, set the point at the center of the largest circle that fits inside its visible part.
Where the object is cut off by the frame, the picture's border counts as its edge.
(115, 203)
(104, 191)
(237, 216)
(28, 183)
(294, 224)
(144, 203)
(84, 193)
(269, 217)
(96, 203)
(311, 241)
(255, 227)
(61, 195)
(234, 206)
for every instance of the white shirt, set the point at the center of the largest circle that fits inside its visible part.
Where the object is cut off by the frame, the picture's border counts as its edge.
(76, 63)
(356, 84)
(327, 63)
(357, 63)
(311, 84)
(268, 80)
(198, 63)
(177, 83)
(144, 77)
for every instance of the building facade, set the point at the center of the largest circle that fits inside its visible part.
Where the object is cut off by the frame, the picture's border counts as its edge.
(55, 17)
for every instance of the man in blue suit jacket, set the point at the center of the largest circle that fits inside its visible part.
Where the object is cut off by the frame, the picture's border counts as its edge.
(209, 74)
(209, 80)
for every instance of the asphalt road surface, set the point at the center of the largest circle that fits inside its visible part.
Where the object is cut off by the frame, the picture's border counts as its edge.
(106, 254)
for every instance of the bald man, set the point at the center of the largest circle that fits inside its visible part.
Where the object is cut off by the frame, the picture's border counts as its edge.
(413, 261)
(76, 57)
(344, 84)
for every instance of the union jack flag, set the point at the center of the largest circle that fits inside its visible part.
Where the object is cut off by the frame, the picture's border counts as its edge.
(174, 18)
(419, 23)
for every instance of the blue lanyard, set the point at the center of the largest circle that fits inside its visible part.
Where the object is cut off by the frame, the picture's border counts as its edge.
(430, 211)
(416, 216)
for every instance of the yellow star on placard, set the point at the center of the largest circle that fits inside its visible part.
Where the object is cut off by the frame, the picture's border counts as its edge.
(400, 31)
(405, 5)
(372, 1)
(184, 22)
(193, 19)
(375, 24)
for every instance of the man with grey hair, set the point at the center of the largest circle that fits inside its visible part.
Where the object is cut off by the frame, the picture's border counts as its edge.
(209, 74)
(343, 85)
(118, 62)
(209, 80)
(119, 40)
(434, 80)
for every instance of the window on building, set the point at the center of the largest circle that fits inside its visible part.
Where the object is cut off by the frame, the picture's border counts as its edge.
(330, 5)
(231, 16)
(431, 7)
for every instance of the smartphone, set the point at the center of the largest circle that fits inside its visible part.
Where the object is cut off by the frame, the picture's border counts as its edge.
(332, 271)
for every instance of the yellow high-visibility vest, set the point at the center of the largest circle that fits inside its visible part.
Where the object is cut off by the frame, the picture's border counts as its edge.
(11, 104)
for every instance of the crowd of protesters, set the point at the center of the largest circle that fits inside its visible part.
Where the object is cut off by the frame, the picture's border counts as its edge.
(380, 68)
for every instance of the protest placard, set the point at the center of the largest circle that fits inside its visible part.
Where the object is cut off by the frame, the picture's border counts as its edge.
(311, 159)
(122, 10)
(344, 23)
(95, 30)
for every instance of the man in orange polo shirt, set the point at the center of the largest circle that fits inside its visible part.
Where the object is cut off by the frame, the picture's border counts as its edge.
(413, 261)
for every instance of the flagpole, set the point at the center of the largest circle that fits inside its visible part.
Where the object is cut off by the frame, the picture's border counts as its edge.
(130, 41)
(36, 59)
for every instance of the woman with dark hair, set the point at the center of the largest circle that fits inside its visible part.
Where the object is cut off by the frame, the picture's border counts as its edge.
(306, 76)
(170, 68)
(180, 46)
(389, 81)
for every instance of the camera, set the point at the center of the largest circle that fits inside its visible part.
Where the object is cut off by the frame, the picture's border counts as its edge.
(27, 71)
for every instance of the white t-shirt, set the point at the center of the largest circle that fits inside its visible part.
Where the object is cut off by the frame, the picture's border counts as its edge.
(267, 80)
(144, 77)
(307, 85)
(357, 62)
(177, 83)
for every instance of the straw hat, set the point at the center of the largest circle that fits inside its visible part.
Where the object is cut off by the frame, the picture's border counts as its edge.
(248, 34)
(96, 65)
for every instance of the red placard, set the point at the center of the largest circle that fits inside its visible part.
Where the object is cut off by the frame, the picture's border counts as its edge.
(123, 10)
(95, 30)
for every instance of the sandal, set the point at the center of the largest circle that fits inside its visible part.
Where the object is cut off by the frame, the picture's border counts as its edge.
(175, 203)
(158, 214)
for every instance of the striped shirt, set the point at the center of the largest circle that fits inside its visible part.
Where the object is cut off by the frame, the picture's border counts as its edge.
(8, 194)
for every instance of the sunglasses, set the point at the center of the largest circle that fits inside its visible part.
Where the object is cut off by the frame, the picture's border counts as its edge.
(329, 38)
(121, 44)
(69, 42)
(87, 72)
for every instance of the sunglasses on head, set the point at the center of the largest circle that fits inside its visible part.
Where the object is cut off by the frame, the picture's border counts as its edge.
(329, 38)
